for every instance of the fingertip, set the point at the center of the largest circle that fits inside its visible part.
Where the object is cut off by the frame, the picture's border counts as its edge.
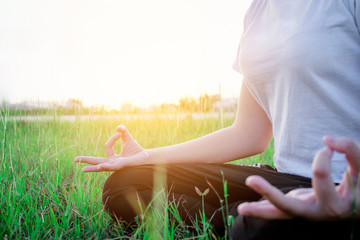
(321, 166)
(242, 208)
(323, 155)
(329, 141)
(326, 151)
(120, 128)
(77, 159)
(254, 181)
(250, 179)
(245, 209)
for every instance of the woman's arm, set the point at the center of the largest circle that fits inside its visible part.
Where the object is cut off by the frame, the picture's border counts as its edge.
(250, 134)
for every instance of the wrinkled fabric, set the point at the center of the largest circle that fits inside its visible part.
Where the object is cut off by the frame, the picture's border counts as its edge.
(301, 61)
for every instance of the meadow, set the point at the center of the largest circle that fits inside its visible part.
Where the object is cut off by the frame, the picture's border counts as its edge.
(44, 195)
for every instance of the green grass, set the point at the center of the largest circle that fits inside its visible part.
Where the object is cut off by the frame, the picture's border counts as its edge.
(45, 195)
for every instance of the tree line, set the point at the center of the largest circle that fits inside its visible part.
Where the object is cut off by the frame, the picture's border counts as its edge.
(203, 104)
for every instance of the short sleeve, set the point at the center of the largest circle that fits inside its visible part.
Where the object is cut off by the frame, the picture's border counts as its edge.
(355, 9)
(237, 64)
(249, 16)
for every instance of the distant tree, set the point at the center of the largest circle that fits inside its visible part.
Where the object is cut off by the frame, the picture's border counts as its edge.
(188, 104)
(168, 107)
(75, 102)
(206, 102)
(127, 107)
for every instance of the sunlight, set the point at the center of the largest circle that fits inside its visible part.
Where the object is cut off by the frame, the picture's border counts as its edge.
(111, 52)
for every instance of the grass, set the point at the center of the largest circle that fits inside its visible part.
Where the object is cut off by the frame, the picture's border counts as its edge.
(45, 195)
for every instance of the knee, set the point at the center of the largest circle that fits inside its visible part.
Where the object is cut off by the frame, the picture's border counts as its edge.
(120, 192)
(109, 189)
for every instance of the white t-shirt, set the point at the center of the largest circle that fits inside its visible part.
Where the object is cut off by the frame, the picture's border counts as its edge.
(301, 62)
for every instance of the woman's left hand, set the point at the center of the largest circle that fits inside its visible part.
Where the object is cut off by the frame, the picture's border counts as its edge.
(322, 202)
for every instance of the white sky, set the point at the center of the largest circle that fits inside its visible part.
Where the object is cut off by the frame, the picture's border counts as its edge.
(115, 51)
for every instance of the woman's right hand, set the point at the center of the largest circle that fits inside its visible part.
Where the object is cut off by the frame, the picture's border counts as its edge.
(131, 154)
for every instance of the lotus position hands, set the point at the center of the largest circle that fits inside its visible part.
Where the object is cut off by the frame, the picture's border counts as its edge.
(322, 202)
(131, 154)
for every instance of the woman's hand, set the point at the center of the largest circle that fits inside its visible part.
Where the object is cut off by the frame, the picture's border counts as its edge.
(131, 154)
(322, 202)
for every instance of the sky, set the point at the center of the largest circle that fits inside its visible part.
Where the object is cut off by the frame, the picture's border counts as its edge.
(113, 52)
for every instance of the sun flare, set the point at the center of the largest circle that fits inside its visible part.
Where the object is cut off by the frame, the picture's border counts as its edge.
(113, 52)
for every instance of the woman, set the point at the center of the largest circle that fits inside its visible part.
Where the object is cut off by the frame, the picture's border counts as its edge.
(301, 65)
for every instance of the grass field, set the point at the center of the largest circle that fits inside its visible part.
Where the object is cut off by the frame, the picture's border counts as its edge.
(45, 195)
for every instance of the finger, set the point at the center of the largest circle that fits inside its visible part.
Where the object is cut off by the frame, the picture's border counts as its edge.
(101, 168)
(109, 145)
(262, 209)
(290, 206)
(348, 146)
(130, 146)
(322, 182)
(125, 133)
(95, 168)
(90, 160)
(301, 193)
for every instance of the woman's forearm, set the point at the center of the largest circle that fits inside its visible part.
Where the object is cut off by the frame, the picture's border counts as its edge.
(249, 135)
(218, 147)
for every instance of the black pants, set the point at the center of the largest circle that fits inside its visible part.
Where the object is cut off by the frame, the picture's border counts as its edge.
(181, 180)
